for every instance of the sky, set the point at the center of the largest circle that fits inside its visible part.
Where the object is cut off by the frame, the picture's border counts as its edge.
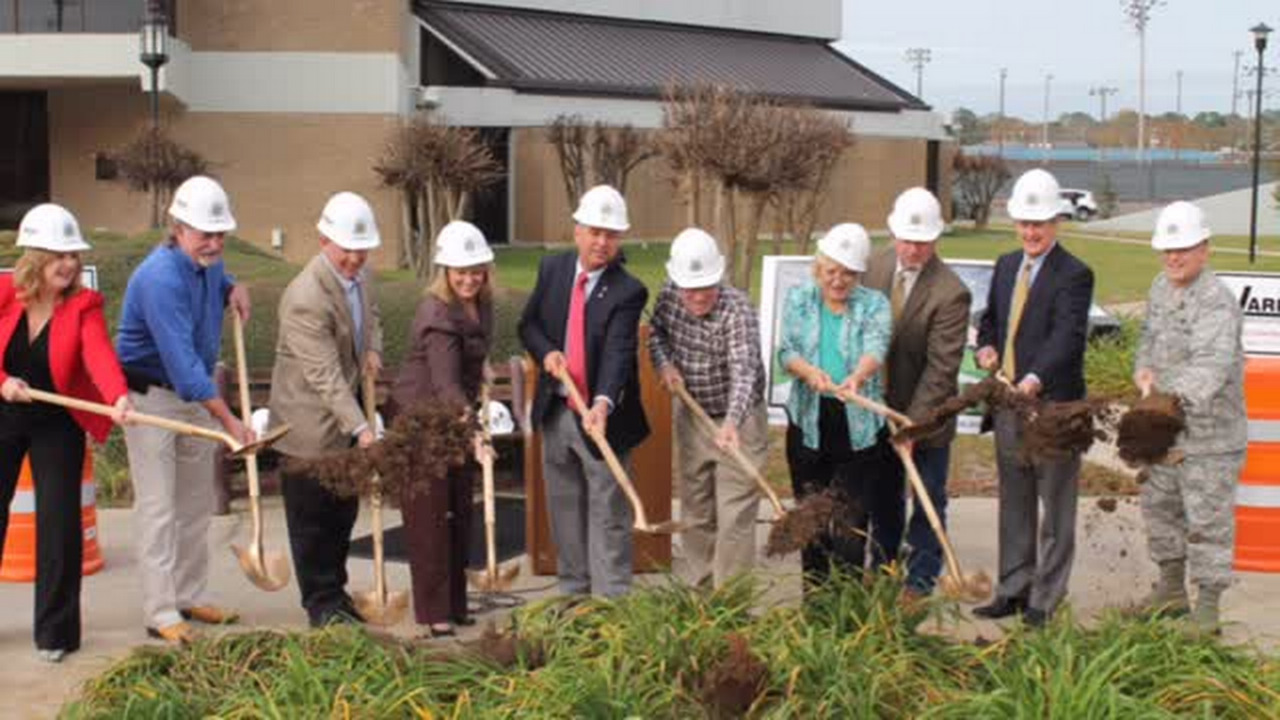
(1082, 43)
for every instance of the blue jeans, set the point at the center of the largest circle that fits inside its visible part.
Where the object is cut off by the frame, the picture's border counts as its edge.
(888, 511)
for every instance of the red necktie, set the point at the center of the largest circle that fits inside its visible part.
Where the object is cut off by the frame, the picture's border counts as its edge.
(576, 343)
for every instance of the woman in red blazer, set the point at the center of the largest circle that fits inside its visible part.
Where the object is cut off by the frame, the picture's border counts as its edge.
(53, 337)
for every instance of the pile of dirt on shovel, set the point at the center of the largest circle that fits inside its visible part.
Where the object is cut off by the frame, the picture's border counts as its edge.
(735, 682)
(418, 450)
(1061, 429)
(1149, 430)
(990, 392)
(811, 517)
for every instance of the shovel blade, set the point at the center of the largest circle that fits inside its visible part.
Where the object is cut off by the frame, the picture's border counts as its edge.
(376, 612)
(262, 443)
(666, 527)
(269, 574)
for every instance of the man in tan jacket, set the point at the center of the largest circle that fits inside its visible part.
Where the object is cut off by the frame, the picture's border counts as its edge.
(930, 307)
(330, 338)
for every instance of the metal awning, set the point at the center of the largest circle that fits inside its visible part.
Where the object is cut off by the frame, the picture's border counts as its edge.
(556, 53)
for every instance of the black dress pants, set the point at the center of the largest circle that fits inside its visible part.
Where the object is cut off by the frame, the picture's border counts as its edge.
(836, 467)
(438, 532)
(55, 444)
(320, 525)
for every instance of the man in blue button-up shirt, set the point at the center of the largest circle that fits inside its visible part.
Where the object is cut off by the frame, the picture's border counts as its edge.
(169, 335)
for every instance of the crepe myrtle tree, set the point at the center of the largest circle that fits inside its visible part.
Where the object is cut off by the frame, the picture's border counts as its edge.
(438, 168)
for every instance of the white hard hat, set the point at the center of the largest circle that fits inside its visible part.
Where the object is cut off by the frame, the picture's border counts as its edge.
(259, 421)
(348, 221)
(1181, 225)
(1036, 197)
(50, 227)
(461, 244)
(500, 420)
(916, 216)
(847, 244)
(602, 207)
(695, 261)
(202, 203)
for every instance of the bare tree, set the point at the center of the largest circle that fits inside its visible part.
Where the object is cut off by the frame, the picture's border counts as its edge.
(153, 159)
(596, 154)
(977, 180)
(754, 152)
(437, 167)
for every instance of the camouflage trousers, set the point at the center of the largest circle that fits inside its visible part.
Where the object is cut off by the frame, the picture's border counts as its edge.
(1189, 511)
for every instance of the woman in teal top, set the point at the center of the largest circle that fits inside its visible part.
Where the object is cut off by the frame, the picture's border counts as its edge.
(835, 334)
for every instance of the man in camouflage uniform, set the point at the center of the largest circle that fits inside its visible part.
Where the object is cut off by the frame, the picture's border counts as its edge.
(1190, 347)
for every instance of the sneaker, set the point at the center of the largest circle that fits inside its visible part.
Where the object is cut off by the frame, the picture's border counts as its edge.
(209, 615)
(52, 656)
(179, 633)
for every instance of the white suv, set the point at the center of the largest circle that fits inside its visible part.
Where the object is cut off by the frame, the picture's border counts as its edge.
(1078, 204)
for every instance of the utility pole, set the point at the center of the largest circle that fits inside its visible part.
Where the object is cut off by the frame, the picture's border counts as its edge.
(1260, 33)
(1179, 102)
(1004, 73)
(1139, 14)
(1044, 134)
(1101, 92)
(1235, 82)
(918, 58)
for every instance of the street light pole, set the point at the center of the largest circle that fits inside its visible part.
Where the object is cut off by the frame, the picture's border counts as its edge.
(1101, 92)
(1260, 33)
(153, 53)
(1235, 83)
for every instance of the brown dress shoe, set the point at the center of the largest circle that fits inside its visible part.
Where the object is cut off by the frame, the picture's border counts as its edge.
(179, 633)
(210, 615)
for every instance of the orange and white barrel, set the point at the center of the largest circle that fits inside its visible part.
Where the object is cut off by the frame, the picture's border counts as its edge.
(1258, 494)
(19, 559)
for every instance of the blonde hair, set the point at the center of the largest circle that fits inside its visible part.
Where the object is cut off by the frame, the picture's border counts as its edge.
(28, 274)
(439, 286)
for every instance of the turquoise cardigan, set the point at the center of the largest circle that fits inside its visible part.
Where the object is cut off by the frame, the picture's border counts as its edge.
(865, 331)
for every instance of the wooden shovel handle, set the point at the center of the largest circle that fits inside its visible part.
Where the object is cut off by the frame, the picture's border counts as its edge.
(736, 453)
(922, 497)
(610, 459)
(873, 406)
(141, 418)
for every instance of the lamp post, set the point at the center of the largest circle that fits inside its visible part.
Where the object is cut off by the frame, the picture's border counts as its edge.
(154, 53)
(1260, 33)
(918, 58)
(1004, 73)
(1044, 131)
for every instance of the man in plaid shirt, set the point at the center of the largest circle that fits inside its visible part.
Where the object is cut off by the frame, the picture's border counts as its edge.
(706, 337)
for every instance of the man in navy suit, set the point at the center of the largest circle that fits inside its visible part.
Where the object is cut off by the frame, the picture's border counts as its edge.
(583, 318)
(1034, 332)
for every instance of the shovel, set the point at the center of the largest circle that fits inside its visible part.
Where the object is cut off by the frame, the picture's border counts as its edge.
(970, 588)
(491, 580)
(642, 523)
(378, 606)
(736, 453)
(269, 572)
(237, 449)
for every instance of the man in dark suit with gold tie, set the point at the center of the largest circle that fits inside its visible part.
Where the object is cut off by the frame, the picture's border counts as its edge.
(1034, 331)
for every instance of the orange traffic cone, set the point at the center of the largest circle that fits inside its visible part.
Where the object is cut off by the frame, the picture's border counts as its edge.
(19, 558)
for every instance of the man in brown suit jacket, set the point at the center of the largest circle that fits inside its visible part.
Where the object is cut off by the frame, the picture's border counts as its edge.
(930, 306)
(330, 337)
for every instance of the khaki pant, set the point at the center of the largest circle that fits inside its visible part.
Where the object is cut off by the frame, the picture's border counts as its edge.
(719, 500)
(173, 501)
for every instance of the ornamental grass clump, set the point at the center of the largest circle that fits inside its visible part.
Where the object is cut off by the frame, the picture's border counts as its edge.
(671, 651)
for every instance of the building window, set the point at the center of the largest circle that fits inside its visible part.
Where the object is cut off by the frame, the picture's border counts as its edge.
(105, 167)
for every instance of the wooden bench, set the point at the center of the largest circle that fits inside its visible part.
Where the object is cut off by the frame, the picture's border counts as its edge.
(509, 386)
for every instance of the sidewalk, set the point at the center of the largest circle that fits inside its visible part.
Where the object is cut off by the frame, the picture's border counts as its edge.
(1111, 569)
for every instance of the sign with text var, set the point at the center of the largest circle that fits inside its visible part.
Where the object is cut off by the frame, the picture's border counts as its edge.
(1259, 298)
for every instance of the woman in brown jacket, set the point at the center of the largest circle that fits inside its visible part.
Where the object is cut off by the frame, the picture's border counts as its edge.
(450, 339)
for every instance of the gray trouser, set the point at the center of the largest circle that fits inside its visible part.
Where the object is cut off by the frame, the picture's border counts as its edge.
(719, 500)
(1190, 514)
(590, 517)
(173, 501)
(1037, 571)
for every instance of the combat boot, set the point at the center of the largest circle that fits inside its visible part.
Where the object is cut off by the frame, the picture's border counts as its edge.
(1169, 598)
(1205, 618)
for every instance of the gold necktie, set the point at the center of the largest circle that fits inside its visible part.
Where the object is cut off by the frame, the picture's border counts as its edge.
(897, 296)
(1020, 290)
